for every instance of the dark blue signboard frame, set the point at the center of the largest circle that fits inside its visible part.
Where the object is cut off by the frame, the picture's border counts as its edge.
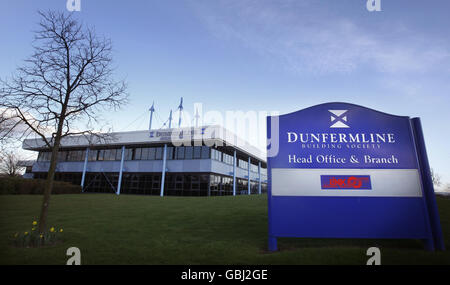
(327, 139)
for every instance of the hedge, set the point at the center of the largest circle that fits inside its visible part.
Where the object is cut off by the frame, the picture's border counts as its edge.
(18, 185)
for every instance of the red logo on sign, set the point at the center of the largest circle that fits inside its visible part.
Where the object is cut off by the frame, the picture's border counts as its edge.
(345, 182)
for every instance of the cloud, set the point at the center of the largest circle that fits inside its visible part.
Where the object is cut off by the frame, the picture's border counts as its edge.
(307, 38)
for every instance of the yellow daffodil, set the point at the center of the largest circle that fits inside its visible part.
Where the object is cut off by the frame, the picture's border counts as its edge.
(52, 229)
(60, 230)
(34, 223)
(41, 236)
(33, 229)
(25, 233)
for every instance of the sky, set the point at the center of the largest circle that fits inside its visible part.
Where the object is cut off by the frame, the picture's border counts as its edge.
(265, 55)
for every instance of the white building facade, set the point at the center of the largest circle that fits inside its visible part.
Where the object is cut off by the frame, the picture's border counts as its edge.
(205, 161)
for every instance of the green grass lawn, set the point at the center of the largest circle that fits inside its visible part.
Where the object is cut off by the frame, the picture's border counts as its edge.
(130, 229)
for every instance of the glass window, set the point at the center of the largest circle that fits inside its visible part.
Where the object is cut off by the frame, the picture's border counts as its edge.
(110, 154)
(188, 152)
(106, 154)
(197, 152)
(205, 152)
(82, 155)
(44, 156)
(180, 152)
(243, 164)
(228, 159)
(93, 154)
(151, 153)
(128, 154)
(62, 156)
(218, 155)
(158, 154)
(169, 154)
(118, 154)
(137, 153)
(73, 155)
(144, 153)
(101, 154)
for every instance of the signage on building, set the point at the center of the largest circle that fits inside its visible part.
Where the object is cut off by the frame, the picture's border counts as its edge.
(346, 171)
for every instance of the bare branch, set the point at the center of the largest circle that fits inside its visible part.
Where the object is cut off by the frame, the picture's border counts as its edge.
(67, 81)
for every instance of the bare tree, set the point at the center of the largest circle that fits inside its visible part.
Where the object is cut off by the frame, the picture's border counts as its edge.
(435, 178)
(10, 163)
(7, 132)
(65, 83)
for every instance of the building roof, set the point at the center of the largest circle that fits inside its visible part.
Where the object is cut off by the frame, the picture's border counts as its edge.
(26, 163)
(210, 135)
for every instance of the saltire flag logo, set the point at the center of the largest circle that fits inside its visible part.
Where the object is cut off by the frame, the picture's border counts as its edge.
(339, 118)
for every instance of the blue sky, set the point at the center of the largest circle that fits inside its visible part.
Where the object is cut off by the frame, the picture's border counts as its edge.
(266, 55)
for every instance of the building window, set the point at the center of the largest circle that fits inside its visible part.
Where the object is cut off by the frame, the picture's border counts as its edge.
(197, 152)
(44, 156)
(93, 154)
(188, 152)
(62, 156)
(137, 153)
(109, 154)
(151, 153)
(242, 164)
(118, 155)
(159, 153)
(128, 154)
(228, 159)
(100, 154)
(145, 153)
(179, 152)
(169, 154)
(205, 152)
(263, 171)
(216, 154)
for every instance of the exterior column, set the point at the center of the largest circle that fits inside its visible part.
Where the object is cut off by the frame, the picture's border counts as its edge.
(259, 177)
(163, 176)
(119, 183)
(249, 187)
(83, 176)
(234, 173)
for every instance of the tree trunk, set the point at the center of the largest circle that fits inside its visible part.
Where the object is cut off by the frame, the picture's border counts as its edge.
(49, 186)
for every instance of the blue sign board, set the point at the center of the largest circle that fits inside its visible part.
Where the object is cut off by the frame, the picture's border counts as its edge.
(339, 170)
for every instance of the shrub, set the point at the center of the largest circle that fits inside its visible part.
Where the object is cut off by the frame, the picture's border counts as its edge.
(18, 185)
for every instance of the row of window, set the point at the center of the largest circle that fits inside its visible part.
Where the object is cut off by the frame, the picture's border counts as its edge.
(144, 153)
(242, 164)
(176, 184)
(223, 185)
(228, 159)
(150, 153)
